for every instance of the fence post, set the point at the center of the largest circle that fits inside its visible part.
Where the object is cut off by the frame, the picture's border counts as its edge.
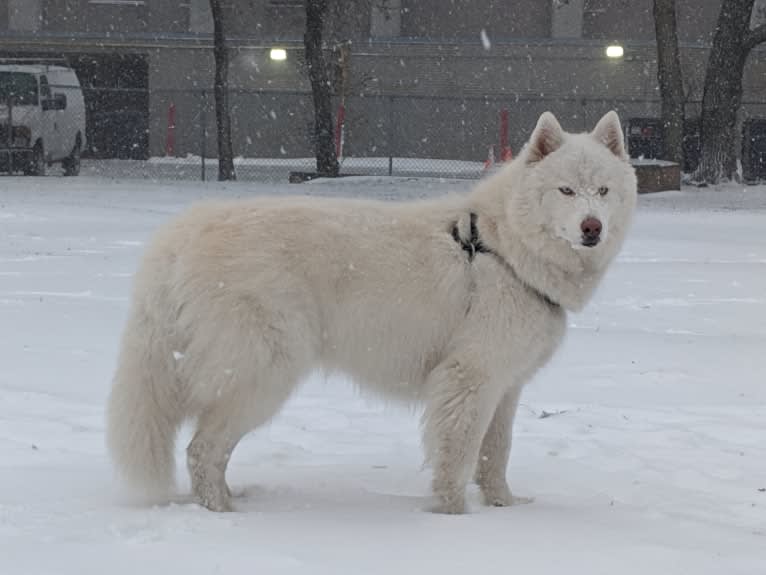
(391, 133)
(170, 140)
(203, 132)
(9, 104)
(339, 129)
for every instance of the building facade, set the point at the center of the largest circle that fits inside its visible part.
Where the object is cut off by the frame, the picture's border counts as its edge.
(425, 78)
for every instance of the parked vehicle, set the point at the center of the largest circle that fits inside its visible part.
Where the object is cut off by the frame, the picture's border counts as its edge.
(42, 118)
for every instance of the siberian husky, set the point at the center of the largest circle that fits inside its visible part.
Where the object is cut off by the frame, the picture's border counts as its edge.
(454, 302)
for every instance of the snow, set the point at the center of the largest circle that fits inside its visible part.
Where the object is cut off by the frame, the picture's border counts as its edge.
(485, 41)
(642, 442)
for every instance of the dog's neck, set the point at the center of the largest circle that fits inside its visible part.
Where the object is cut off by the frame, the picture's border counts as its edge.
(473, 244)
(569, 280)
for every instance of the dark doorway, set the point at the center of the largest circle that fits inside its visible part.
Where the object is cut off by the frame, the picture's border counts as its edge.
(754, 149)
(116, 90)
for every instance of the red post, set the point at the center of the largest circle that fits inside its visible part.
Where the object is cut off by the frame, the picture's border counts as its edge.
(505, 149)
(170, 143)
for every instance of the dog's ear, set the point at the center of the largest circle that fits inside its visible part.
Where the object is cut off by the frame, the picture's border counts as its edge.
(546, 138)
(609, 132)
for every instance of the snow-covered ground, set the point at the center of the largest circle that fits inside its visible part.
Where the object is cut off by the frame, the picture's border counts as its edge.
(643, 442)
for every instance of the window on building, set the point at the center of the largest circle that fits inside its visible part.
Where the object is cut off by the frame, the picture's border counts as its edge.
(3, 14)
(121, 16)
(464, 19)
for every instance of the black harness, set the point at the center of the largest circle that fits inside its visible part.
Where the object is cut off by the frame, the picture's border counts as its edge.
(473, 245)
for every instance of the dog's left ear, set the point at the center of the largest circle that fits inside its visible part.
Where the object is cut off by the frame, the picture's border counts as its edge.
(609, 132)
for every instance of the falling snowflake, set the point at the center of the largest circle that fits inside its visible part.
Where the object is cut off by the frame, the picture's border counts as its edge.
(485, 40)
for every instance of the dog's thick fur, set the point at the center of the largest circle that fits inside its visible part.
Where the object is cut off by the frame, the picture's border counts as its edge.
(237, 301)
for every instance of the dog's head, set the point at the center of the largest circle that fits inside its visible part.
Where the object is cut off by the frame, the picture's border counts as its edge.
(574, 192)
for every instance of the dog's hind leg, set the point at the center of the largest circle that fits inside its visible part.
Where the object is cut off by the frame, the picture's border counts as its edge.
(208, 455)
(244, 377)
(495, 450)
(251, 402)
(458, 411)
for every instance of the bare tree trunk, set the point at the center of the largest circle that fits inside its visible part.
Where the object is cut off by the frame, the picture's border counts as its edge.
(670, 80)
(327, 161)
(722, 95)
(221, 93)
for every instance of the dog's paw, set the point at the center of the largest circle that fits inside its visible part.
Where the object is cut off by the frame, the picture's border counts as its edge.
(449, 506)
(217, 504)
(502, 497)
(497, 499)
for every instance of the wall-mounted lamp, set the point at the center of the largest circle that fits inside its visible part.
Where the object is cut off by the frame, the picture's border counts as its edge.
(278, 54)
(614, 51)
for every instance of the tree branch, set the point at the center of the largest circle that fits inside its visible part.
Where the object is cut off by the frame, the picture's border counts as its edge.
(755, 36)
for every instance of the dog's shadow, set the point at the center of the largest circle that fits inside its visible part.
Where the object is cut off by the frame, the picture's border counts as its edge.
(306, 498)
(266, 499)
(321, 499)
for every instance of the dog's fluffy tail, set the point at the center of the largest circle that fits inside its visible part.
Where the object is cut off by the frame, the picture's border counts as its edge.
(143, 416)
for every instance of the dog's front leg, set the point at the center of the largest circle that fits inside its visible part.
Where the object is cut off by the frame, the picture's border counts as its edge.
(460, 405)
(495, 450)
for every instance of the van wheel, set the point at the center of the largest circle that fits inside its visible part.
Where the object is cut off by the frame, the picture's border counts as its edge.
(36, 164)
(72, 163)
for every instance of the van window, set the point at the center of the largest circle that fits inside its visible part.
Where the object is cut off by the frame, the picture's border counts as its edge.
(19, 86)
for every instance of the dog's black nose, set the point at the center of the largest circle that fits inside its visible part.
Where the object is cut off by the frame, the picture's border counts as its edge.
(591, 231)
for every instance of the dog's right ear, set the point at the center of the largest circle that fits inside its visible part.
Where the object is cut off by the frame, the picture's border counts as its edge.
(546, 138)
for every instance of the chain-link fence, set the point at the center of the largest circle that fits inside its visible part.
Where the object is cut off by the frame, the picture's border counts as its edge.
(171, 134)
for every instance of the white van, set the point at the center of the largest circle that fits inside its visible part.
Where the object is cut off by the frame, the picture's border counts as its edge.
(42, 118)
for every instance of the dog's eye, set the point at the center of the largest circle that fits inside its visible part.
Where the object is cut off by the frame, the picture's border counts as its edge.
(603, 190)
(566, 190)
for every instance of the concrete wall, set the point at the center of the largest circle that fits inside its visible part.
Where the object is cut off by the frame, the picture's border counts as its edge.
(83, 16)
(632, 20)
(89, 16)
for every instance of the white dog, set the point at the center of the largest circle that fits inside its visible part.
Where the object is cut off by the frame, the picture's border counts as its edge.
(455, 302)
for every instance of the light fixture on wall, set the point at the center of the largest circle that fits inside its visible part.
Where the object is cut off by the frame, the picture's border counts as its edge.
(278, 54)
(614, 51)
